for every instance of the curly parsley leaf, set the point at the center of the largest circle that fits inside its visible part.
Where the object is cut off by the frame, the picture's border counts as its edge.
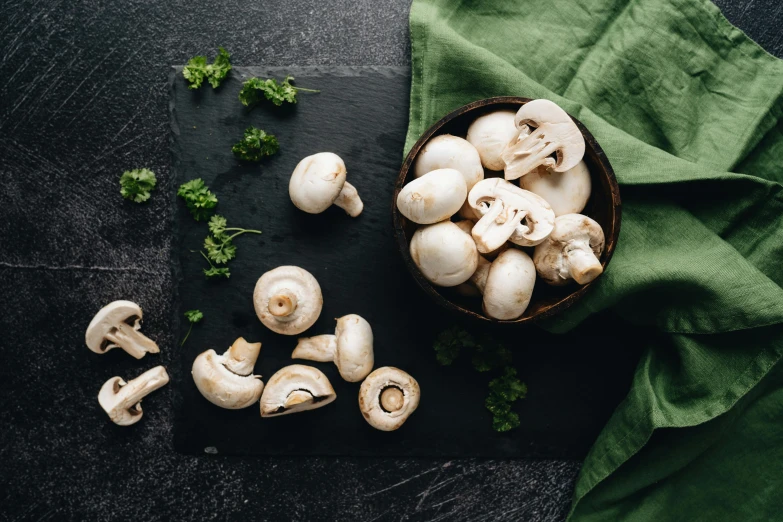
(219, 246)
(136, 184)
(449, 344)
(255, 145)
(503, 391)
(193, 317)
(216, 272)
(197, 70)
(255, 89)
(198, 198)
(490, 355)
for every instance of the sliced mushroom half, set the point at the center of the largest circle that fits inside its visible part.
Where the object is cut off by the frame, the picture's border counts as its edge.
(387, 397)
(350, 348)
(122, 400)
(571, 252)
(296, 388)
(288, 300)
(226, 380)
(117, 325)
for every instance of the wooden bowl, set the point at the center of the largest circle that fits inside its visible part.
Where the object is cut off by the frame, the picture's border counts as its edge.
(603, 207)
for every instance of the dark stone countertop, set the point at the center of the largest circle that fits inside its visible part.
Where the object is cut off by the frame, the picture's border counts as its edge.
(83, 89)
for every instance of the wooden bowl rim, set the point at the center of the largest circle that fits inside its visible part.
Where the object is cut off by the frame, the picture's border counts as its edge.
(429, 289)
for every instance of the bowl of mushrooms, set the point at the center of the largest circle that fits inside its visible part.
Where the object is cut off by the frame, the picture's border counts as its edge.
(506, 210)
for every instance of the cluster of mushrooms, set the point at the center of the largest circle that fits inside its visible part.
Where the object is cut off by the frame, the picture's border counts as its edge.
(473, 217)
(288, 301)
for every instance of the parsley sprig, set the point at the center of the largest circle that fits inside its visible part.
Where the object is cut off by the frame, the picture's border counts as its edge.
(193, 316)
(255, 89)
(197, 70)
(219, 246)
(255, 145)
(136, 184)
(199, 199)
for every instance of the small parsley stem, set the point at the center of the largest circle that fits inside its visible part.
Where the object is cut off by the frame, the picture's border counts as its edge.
(241, 231)
(187, 334)
(306, 90)
(205, 257)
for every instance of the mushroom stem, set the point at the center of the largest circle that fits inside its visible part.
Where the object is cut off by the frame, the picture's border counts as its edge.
(479, 277)
(283, 303)
(242, 356)
(496, 226)
(131, 340)
(125, 407)
(392, 399)
(583, 265)
(348, 199)
(319, 348)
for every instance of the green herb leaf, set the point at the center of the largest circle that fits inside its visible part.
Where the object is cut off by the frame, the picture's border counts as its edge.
(449, 344)
(255, 145)
(216, 272)
(505, 421)
(490, 355)
(197, 70)
(219, 250)
(503, 391)
(278, 93)
(217, 225)
(198, 198)
(136, 184)
(194, 316)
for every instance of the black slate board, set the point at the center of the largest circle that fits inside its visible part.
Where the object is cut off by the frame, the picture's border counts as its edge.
(575, 381)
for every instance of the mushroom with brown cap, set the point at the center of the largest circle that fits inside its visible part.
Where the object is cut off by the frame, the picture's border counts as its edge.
(433, 197)
(567, 192)
(288, 300)
(117, 325)
(506, 284)
(122, 400)
(350, 348)
(508, 213)
(554, 132)
(445, 255)
(450, 152)
(490, 134)
(296, 388)
(387, 397)
(226, 380)
(318, 182)
(572, 251)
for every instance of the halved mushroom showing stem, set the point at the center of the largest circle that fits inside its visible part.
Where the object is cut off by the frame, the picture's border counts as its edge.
(387, 397)
(490, 134)
(117, 325)
(445, 254)
(506, 284)
(433, 197)
(567, 191)
(318, 182)
(508, 213)
(450, 152)
(350, 348)
(226, 380)
(122, 400)
(553, 132)
(572, 251)
(288, 300)
(296, 388)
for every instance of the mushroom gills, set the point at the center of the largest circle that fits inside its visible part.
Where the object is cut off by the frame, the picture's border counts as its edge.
(117, 325)
(121, 400)
(296, 388)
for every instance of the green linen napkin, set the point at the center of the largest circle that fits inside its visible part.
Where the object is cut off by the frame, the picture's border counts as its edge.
(688, 110)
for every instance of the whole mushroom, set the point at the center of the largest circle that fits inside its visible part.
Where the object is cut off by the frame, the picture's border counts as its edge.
(296, 388)
(433, 197)
(117, 325)
(350, 348)
(567, 191)
(226, 380)
(490, 134)
(450, 152)
(553, 132)
(572, 251)
(388, 397)
(318, 182)
(444, 253)
(288, 300)
(122, 400)
(506, 284)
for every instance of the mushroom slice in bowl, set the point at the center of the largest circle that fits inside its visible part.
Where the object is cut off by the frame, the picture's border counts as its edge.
(296, 388)
(387, 397)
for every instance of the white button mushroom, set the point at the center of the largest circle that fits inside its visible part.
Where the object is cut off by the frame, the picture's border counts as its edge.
(296, 388)
(433, 197)
(450, 152)
(567, 191)
(350, 348)
(122, 400)
(490, 134)
(117, 325)
(571, 251)
(507, 284)
(388, 397)
(318, 182)
(508, 214)
(445, 254)
(288, 300)
(555, 132)
(226, 380)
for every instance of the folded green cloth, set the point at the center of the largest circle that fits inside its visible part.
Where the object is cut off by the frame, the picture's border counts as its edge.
(682, 102)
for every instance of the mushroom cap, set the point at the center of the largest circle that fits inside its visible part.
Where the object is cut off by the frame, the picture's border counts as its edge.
(490, 133)
(370, 398)
(450, 152)
(509, 285)
(217, 381)
(107, 319)
(444, 253)
(567, 192)
(354, 356)
(122, 400)
(572, 234)
(433, 197)
(298, 282)
(317, 181)
(296, 388)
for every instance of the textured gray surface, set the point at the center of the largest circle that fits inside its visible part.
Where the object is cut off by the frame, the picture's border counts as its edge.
(83, 90)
